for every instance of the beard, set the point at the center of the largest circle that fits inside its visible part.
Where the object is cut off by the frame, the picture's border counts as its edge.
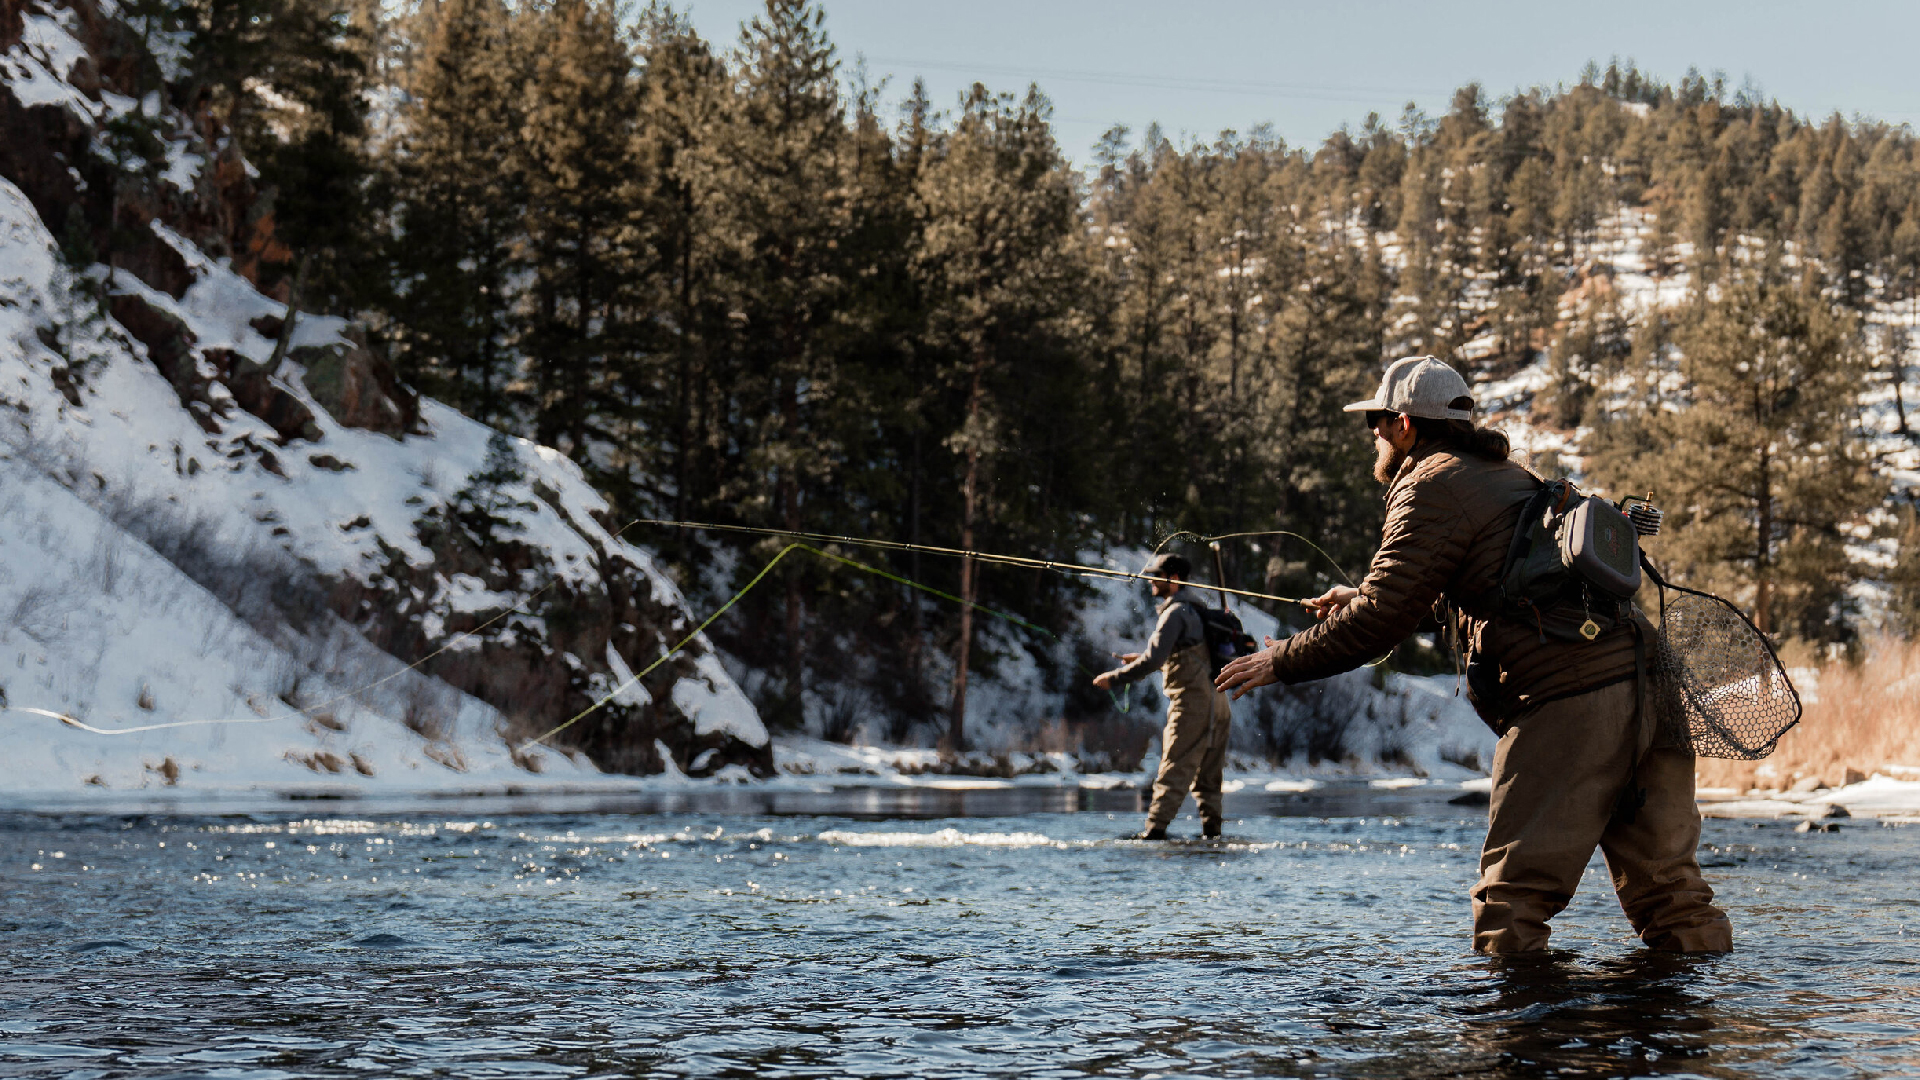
(1387, 461)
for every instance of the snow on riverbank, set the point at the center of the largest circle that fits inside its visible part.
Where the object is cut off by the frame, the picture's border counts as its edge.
(1879, 796)
(96, 624)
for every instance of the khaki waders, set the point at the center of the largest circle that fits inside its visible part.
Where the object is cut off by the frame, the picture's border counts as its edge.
(1557, 778)
(1193, 749)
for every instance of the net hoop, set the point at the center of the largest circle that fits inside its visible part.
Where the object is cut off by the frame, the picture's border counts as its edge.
(1705, 701)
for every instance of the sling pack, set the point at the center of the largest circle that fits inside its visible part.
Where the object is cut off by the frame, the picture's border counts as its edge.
(1227, 640)
(1573, 567)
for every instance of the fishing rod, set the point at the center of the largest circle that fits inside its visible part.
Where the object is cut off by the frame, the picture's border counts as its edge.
(979, 556)
(299, 712)
(1121, 700)
(1213, 542)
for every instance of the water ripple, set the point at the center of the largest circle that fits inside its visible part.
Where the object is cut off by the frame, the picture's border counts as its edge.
(1026, 944)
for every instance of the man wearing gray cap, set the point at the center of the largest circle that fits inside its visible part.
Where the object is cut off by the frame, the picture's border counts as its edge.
(1574, 745)
(1193, 748)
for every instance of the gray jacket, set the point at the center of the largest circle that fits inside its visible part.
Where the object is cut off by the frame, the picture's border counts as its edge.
(1179, 627)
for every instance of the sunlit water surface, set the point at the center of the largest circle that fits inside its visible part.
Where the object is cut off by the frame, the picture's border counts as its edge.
(855, 935)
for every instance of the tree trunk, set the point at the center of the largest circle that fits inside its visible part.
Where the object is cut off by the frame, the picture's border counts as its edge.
(286, 328)
(1237, 302)
(579, 374)
(490, 407)
(1137, 422)
(683, 415)
(546, 374)
(1899, 403)
(956, 723)
(914, 643)
(1763, 551)
(790, 504)
(1900, 376)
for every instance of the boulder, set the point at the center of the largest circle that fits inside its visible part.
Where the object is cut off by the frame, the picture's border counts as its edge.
(358, 387)
(263, 395)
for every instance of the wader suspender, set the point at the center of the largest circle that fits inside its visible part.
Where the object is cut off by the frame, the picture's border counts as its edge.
(1633, 796)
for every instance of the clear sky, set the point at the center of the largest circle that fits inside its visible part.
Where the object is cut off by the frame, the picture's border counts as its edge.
(1306, 68)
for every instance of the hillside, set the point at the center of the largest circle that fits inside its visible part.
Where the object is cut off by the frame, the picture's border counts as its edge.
(391, 331)
(213, 520)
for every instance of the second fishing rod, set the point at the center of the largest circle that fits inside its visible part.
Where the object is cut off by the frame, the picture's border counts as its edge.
(1024, 561)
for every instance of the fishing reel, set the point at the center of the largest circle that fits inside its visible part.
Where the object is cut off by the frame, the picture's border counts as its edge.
(1645, 516)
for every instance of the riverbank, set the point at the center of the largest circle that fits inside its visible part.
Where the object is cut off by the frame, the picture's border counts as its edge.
(1861, 718)
(819, 777)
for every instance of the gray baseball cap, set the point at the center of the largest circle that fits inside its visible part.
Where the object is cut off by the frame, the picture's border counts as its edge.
(1419, 386)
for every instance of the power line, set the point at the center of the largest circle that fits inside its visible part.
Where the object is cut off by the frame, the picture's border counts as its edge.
(1243, 87)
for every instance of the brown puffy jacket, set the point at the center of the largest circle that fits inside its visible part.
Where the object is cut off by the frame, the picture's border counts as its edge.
(1450, 520)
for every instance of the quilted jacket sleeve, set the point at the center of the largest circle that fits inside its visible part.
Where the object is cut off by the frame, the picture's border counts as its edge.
(1421, 548)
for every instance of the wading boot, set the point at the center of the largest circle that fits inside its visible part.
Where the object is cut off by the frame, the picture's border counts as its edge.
(1210, 830)
(1158, 832)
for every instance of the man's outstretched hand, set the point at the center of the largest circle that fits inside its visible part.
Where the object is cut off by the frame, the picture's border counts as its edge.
(1330, 601)
(1247, 672)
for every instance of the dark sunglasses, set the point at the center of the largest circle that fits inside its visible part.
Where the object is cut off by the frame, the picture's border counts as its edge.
(1374, 416)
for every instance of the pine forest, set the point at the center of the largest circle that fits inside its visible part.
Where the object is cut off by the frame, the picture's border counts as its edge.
(738, 283)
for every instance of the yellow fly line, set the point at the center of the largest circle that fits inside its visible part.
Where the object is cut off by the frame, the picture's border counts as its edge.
(735, 598)
(1121, 701)
(991, 557)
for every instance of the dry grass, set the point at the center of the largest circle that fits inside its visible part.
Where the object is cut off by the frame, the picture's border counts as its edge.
(1862, 719)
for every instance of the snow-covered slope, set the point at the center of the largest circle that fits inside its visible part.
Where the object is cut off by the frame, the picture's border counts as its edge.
(103, 628)
(201, 527)
(95, 624)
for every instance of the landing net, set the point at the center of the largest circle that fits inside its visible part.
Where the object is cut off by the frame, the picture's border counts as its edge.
(1718, 686)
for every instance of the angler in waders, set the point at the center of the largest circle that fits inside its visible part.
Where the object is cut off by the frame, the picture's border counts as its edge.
(1193, 749)
(1561, 684)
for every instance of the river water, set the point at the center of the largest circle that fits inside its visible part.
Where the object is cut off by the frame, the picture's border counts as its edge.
(886, 934)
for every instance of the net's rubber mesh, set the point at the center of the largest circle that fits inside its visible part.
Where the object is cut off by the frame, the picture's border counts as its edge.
(1718, 686)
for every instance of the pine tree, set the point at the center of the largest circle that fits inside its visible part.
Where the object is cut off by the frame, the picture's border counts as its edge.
(1905, 575)
(999, 208)
(231, 42)
(484, 504)
(1143, 231)
(290, 78)
(461, 194)
(1755, 460)
(1320, 347)
(1902, 262)
(582, 226)
(318, 170)
(781, 172)
(681, 94)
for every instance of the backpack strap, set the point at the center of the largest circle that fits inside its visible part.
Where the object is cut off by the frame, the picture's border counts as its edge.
(1200, 614)
(1551, 491)
(1523, 532)
(1633, 796)
(1660, 582)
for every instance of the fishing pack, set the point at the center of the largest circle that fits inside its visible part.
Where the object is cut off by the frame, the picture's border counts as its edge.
(1227, 639)
(1574, 564)
(1716, 685)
